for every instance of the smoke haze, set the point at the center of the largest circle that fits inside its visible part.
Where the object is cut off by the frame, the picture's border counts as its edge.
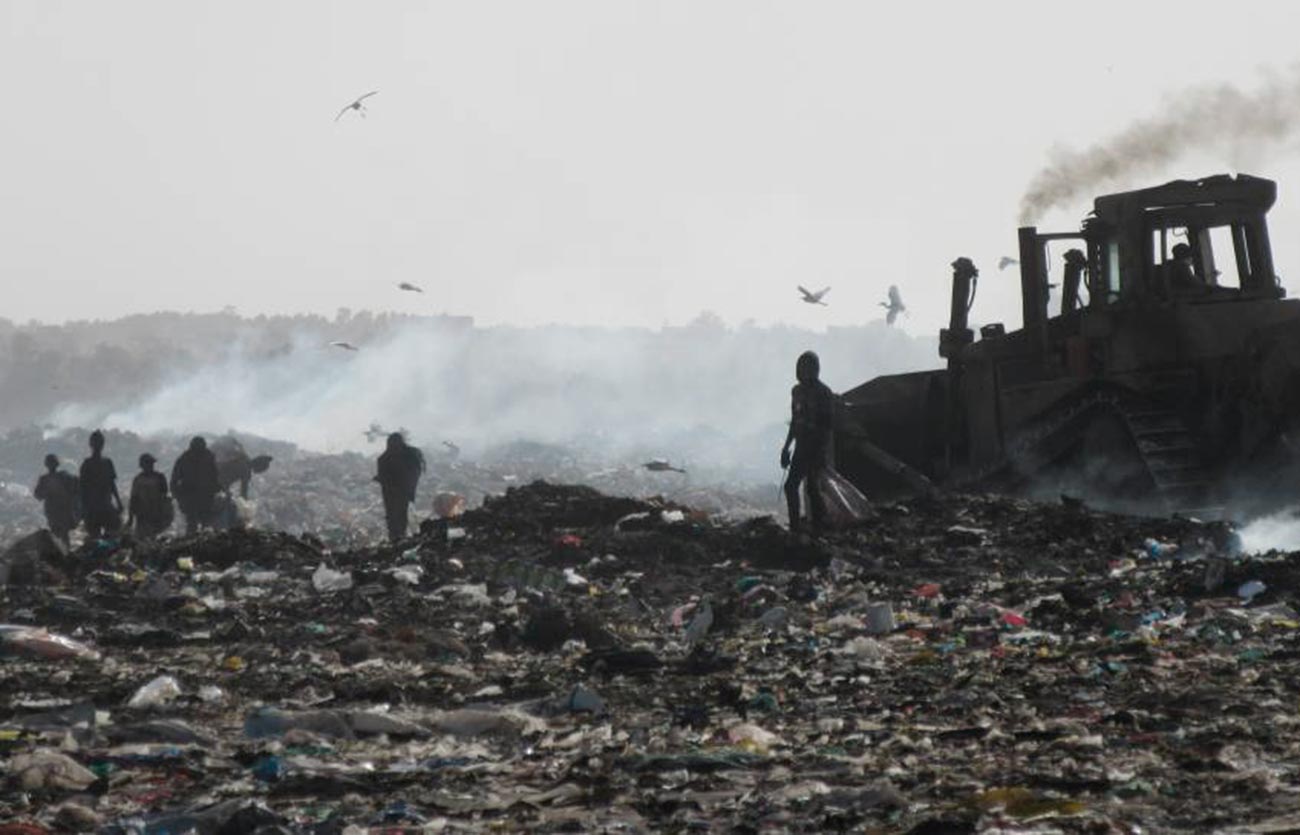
(1240, 126)
(1276, 532)
(702, 393)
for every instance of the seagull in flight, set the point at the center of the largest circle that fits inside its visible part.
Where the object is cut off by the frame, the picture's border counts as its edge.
(814, 298)
(346, 346)
(895, 305)
(356, 105)
(410, 288)
(1006, 261)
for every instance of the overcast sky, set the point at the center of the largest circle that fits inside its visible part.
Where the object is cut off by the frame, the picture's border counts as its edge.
(606, 161)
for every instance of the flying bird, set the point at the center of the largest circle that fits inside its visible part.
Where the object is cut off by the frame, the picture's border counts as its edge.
(1006, 261)
(659, 465)
(347, 346)
(375, 432)
(410, 288)
(356, 105)
(895, 305)
(814, 298)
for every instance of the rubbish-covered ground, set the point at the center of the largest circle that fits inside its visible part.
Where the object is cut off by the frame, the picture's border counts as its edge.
(564, 661)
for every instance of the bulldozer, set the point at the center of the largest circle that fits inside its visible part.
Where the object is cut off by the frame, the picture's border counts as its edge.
(1157, 368)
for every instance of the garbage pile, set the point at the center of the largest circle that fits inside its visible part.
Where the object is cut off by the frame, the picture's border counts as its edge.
(559, 660)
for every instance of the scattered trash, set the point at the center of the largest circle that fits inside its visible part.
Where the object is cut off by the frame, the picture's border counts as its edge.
(326, 579)
(663, 670)
(448, 505)
(1157, 550)
(583, 700)
(1248, 591)
(865, 648)
(48, 770)
(1013, 619)
(156, 693)
(34, 642)
(752, 738)
(701, 622)
(775, 618)
(880, 618)
(408, 574)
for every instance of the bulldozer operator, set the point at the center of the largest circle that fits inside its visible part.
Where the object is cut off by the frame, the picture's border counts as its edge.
(1182, 271)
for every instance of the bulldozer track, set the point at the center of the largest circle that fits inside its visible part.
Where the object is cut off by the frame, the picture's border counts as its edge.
(1179, 479)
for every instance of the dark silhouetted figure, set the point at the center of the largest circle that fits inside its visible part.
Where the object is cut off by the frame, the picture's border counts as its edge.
(234, 464)
(812, 407)
(1182, 273)
(400, 466)
(101, 506)
(61, 494)
(149, 510)
(195, 484)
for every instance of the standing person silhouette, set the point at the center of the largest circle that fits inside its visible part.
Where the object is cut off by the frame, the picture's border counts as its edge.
(399, 469)
(101, 505)
(149, 510)
(195, 484)
(812, 409)
(59, 491)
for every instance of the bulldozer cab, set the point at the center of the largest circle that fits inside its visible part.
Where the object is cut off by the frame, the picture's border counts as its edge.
(1185, 242)
(1156, 362)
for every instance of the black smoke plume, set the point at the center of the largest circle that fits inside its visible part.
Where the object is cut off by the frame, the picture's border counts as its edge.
(1241, 126)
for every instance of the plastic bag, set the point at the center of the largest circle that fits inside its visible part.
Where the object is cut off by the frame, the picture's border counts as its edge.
(844, 504)
(326, 579)
(156, 693)
(45, 769)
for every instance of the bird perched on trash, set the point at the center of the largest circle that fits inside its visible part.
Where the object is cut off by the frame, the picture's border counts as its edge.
(814, 298)
(660, 465)
(1006, 261)
(700, 623)
(895, 305)
(410, 288)
(347, 346)
(356, 105)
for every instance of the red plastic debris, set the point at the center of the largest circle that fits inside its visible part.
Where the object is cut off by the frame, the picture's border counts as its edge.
(1012, 619)
(926, 590)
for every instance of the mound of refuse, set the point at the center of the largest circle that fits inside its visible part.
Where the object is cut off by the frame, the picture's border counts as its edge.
(558, 660)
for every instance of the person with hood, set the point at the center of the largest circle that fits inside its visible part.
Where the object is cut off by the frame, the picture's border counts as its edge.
(195, 484)
(149, 510)
(101, 505)
(59, 491)
(812, 410)
(400, 466)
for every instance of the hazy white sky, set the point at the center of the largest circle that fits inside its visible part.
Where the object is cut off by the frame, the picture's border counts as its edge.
(603, 161)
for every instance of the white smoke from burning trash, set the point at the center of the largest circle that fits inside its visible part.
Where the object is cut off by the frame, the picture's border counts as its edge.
(1239, 125)
(1275, 532)
(703, 392)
